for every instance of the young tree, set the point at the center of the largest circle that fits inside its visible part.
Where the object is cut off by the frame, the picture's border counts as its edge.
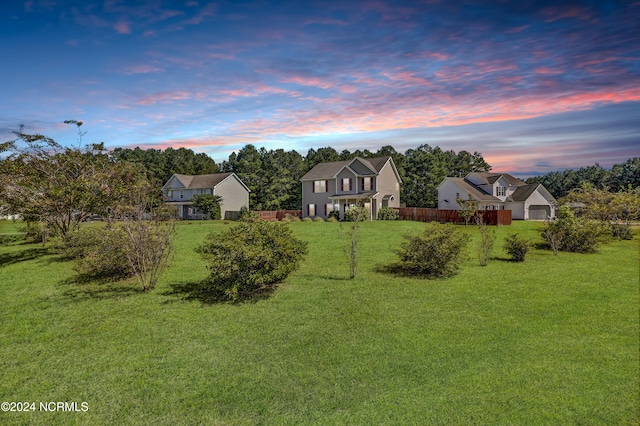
(208, 204)
(148, 231)
(469, 208)
(487, 239)
(351, 237)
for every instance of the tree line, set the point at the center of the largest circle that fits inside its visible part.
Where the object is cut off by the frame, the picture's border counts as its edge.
(619, 177)
(273, 176)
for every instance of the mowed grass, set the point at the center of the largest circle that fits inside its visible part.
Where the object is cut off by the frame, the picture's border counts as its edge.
(553, 340)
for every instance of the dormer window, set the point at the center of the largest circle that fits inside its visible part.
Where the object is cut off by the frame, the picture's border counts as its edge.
(501, 191)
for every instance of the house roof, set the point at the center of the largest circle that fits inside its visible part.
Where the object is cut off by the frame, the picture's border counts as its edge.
(475, 192)
(331, 169)
(370, 194)
(203, 181)
(490, 178)
(523, 192)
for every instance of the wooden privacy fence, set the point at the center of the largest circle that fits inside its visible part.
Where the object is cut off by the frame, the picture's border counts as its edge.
(276, 215)
(491, 217)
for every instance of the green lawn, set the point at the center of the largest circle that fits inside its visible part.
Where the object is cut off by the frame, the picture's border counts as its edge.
(553, 340)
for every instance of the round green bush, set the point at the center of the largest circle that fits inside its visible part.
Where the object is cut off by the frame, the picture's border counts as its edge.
(249, 259)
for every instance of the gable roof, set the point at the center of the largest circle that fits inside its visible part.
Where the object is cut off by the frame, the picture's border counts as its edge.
(475, 192)
(331, 169)
(490, 178)
(524, 191)
(204, 181)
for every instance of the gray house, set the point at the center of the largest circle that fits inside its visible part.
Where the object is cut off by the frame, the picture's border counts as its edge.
(340, 185)
(498, 191)
(180, 189)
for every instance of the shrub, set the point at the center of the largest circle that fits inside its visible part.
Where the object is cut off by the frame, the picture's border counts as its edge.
(356, 214)
(517, 247)
(388, 213)
(247, 215)
(437, 252)
(318, 219)
(333, 215)
(249, 258)
(292, 217)
(568, 233)
(307, 219)
(621, 231)
(99, 253)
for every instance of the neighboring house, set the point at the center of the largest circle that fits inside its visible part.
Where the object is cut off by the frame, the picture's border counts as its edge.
(498, 191)
(180, 189)
(340, 185)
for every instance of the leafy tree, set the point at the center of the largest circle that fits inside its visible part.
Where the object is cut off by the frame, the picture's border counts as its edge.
(160, 165)
(322, 155)
(623, 176)
(426, 167)
(249, 259)
(208, 204)
(60, 186)
(469, 208)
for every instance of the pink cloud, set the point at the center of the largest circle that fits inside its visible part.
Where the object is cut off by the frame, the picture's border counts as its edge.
(166, 97)
(547, 71)
(309, 81)
(141, 69)
(203, 14)
(556, 13)
(122, 27)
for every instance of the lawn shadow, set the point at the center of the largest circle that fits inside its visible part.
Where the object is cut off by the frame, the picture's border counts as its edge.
(23, 256)
(194, 290)
(84, 287)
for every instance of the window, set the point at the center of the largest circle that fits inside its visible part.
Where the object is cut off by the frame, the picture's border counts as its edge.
(501, 191)
(346, 184)
(319, 186)
(311, 210)
(367, 184)
(181, 194)
(328, 208)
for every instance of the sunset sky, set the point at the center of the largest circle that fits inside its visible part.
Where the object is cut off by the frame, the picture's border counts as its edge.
(535, 86)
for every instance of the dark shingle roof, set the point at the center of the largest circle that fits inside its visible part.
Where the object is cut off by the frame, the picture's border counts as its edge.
(490, 178)
(329, 170)
(524, 192)
(476, 193)
(202, 181)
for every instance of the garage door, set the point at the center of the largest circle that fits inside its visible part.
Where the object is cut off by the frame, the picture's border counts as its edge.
(539, 212)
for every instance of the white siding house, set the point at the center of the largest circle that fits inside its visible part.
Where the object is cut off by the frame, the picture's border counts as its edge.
(498, 191)
(180, 189)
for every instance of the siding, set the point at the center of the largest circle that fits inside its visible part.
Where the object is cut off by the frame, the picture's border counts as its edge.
(386, 185)
(234, 195)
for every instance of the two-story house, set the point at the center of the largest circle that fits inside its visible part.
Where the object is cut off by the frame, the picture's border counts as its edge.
(498, 191)
(180, 189)
(340, 185)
